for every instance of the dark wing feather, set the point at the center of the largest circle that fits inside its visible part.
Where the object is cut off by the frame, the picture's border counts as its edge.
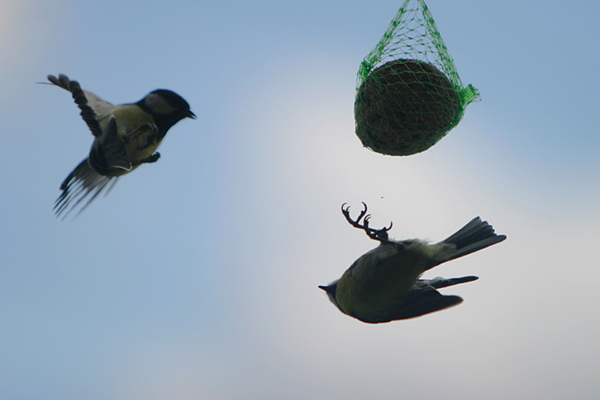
(108, 151)
(87, 113)
(440, 282)
(424, 298)
(421, 301)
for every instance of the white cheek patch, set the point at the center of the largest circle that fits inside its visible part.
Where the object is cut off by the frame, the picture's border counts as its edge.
(158, 105)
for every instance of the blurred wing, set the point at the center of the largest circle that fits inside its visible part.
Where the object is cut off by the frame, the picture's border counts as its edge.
(82, 183)
(91, 106)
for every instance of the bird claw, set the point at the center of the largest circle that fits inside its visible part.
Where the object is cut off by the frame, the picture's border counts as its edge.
(375, 234)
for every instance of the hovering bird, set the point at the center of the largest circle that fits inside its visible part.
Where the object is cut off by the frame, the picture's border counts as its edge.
(384, 284)
(126, 136)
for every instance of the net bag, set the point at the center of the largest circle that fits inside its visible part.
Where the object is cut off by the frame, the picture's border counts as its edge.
(409, 94)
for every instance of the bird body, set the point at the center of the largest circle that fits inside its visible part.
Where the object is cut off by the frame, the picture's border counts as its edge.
(126, 136)
(136, 132)
(384, 284)
(361, 291)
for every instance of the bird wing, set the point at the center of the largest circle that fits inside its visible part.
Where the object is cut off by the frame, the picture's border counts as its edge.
(424, 298)
(108, 151)
(421, 301)
(100, 107)
(91, 106)
(440, 282)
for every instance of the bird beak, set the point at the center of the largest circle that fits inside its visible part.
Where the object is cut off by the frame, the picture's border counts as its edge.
(191, 115)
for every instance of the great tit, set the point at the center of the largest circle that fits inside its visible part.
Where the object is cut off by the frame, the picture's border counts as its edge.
(126, 136)
(383, 284)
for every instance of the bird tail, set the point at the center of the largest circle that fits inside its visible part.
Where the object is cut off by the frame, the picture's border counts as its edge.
(81, 183)
(472, 237)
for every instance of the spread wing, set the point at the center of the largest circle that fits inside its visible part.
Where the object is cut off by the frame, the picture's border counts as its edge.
(91, 106)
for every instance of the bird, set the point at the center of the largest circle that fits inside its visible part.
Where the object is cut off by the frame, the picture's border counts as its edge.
(125, 137)
(384, 284)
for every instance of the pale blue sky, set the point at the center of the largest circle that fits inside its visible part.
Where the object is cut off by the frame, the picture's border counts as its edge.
(196, 278)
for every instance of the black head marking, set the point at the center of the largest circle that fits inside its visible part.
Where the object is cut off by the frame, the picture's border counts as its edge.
(166, 107)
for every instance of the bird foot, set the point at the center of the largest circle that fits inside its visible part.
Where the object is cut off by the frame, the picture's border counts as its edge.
(380, 235)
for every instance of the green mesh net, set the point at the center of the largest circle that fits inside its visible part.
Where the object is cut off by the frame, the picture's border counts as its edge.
(409, 94)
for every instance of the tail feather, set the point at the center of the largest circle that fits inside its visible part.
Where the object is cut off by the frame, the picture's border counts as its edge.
(80, 183)
(474, 236)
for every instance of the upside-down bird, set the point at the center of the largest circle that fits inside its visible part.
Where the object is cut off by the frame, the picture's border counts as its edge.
(384, 284)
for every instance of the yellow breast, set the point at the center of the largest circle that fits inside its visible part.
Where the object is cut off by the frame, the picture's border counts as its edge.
(138, 143)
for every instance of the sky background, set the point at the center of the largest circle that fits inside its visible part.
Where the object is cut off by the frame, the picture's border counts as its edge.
(196, 278)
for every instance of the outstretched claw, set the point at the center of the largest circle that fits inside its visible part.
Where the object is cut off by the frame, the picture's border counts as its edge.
(346, 212)
(375, 234)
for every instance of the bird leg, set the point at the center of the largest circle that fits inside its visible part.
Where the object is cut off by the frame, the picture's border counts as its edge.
(380, 235)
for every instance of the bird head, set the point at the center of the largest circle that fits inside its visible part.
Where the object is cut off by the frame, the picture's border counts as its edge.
(167, 108)
(331, 290)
